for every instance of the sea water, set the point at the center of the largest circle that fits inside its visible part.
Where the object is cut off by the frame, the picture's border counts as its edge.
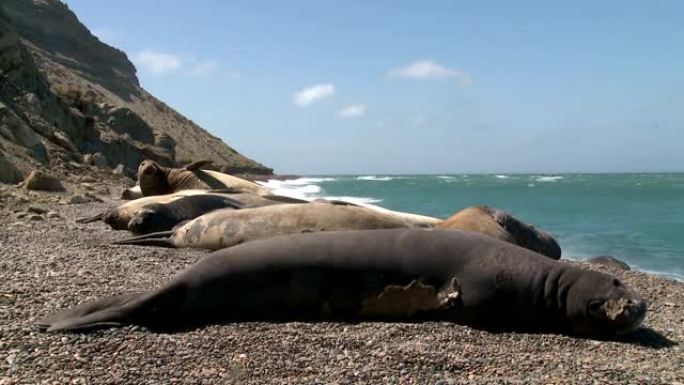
(638, 218)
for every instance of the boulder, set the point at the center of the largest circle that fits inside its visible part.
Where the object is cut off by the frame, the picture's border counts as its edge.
(61, 139)
(123, 171)
(8, 173)
(610, 262)
(39, 180)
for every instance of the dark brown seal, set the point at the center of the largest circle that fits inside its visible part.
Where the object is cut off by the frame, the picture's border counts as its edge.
(459, 276)
(163, 212)
(502, 225)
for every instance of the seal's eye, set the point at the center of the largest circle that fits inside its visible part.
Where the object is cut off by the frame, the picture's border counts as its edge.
(595, 306)
(617, 283)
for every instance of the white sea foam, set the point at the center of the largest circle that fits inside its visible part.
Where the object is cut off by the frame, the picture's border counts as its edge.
(446, 177)
(361, 201)
(501, 176)
(308, 189)
(375, 178)
(553, 178)
(300, 188)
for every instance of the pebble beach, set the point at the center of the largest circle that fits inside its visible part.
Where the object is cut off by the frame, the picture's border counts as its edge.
(49, 262)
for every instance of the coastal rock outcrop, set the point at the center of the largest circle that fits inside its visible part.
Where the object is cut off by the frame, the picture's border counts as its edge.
(64, 94)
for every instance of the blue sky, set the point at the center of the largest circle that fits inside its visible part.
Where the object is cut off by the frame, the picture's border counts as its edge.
(329, 87)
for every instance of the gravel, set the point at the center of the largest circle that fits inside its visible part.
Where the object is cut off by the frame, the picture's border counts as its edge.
(50, 264)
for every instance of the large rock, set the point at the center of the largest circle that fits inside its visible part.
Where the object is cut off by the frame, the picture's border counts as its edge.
(609, 262)
(123, 171)
(8, 173)
(39, 180)
(124, 121)
(99, 160)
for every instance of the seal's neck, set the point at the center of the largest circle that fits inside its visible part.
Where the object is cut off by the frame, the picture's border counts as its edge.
(557, 284)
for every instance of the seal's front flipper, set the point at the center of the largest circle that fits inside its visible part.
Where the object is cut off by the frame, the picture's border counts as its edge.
(284, 199)
(227, 190)
(95, 218)
(160, 239)
(194, 166)
(98, 314)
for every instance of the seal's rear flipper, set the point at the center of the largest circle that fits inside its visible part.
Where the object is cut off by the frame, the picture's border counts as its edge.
(335, 202)
(160, 239)
(98, 314)
(95, 218)
(197, 165)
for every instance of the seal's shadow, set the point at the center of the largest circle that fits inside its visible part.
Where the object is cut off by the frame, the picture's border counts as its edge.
(648, 338)
(644, 336)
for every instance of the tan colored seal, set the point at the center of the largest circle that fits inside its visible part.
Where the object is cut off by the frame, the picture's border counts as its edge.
(225, 228)
(502, 225)
(156, 180)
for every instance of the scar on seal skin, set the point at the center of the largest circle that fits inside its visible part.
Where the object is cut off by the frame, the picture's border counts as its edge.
(405, 301)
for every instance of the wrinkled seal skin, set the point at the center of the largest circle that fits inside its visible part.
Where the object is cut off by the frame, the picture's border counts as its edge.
(502, 225)
(225, 228)
(479, 281)
(162, 217)
(156, 180)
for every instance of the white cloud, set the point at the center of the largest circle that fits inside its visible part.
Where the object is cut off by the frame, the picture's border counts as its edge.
(419, 120)
(203, 68)
(158, 63)
(311, 94)
(353, 111)
(428, 69)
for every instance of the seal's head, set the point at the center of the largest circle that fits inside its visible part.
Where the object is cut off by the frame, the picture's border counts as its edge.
(115, 220)
(599, 304)
(526, 235)
(153, 218)
(152, 178)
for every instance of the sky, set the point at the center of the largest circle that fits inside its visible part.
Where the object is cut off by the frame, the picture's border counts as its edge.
(409, 87)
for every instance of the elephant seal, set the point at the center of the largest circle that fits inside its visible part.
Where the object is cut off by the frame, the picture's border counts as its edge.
(156, 180)
(416, 220)
(502, 225)
(157, 217)
(225, 228)
(119, 216)
(396, 274)
(167, 209)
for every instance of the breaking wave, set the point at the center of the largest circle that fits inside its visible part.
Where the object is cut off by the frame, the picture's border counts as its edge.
(553, 178)
(375, 178)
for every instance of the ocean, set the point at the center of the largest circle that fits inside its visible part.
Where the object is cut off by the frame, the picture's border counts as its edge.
(638, 218)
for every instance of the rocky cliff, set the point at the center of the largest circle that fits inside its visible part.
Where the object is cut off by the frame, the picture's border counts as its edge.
(65, 95)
